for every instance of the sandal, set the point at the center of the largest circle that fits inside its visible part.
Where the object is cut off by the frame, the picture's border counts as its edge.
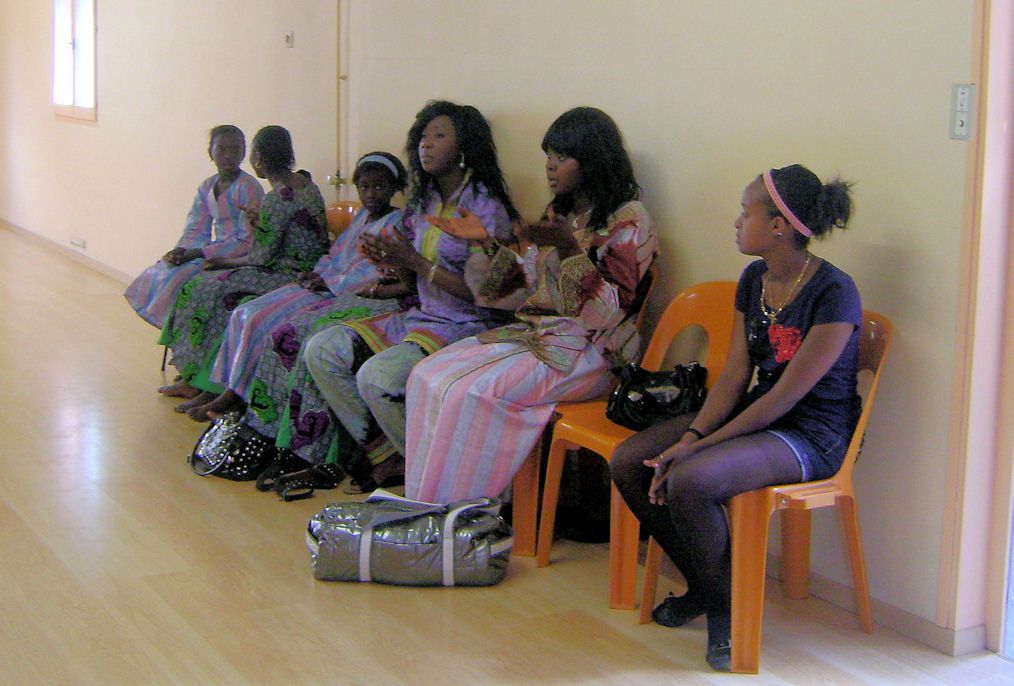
(285, 463)
(301, 485)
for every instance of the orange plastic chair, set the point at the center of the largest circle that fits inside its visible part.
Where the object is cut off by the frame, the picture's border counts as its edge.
(339, 215)
(708, 305)
(750, 512)
(525, 487)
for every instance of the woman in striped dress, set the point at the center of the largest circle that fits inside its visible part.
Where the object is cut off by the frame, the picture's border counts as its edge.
(477, 408)
(361, 367)
(216, 227)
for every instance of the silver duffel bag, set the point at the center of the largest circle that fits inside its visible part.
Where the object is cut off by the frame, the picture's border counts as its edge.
(392, 540)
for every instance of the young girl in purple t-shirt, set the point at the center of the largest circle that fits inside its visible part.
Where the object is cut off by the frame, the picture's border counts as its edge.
(799, 319)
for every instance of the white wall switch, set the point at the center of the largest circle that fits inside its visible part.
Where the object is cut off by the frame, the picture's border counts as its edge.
(962, 98)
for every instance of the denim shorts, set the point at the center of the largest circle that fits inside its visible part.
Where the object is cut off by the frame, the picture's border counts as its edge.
(806, 453)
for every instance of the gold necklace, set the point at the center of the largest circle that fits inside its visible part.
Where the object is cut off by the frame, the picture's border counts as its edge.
(772, 315)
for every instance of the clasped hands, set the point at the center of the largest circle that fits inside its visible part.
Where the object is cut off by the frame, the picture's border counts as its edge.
(552, 231)
(664, 463)
(388, 250)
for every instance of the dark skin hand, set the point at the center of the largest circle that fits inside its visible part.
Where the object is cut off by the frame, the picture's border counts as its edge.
(552, 231)
(391, 252)
(178, 256)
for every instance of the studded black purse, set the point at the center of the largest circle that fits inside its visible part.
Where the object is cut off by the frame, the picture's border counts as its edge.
(230, 449)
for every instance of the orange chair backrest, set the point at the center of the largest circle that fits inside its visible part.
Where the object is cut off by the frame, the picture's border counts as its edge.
(874, 342)
(339, 215)
(710, 305)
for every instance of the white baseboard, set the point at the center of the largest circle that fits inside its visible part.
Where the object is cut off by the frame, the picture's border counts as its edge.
(70, 252)
(948, 641)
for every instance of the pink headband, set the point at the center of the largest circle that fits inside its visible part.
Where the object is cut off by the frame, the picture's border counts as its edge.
(783, 208)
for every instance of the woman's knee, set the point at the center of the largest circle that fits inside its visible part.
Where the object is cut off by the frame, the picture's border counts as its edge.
(328, 351)
(627, 463)
(387, 373)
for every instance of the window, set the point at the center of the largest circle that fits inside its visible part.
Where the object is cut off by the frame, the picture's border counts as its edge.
(74, 58)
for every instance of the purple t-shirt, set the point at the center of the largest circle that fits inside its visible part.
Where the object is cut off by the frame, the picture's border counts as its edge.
(827, 415)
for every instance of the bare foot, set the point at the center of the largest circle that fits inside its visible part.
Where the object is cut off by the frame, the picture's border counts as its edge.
(201, 399)
(199, 414)
(228, 401)
(180, 389)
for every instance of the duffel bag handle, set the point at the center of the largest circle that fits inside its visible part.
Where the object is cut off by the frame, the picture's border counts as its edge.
(397, 510)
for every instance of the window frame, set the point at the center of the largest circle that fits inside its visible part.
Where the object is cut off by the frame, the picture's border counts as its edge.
(76, 62)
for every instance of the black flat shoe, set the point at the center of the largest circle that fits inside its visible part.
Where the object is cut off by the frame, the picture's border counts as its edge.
(720, 656)
(676, 611)
(300, 485)
(285, 463)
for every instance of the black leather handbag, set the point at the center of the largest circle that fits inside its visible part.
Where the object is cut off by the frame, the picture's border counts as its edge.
(643, 398)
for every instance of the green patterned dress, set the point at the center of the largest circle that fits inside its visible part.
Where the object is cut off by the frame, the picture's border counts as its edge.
(291, 237)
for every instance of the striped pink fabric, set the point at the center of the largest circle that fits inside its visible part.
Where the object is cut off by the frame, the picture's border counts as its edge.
(476, 409)
(475, 412)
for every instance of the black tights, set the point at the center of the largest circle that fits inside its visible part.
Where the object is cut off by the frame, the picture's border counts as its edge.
(692, 527)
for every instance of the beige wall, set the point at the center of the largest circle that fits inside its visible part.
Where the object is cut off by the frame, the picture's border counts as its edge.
(709, 93)
(167, 72)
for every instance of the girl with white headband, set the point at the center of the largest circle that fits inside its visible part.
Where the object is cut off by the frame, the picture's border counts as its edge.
(327, 294)
(797, 324)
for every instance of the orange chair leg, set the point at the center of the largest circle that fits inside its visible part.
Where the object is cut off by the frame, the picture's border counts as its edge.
(748, 514)
(550, 498)
(623, 541)
(795, 561)
(526, 503)
(850, 525)
(652, 568)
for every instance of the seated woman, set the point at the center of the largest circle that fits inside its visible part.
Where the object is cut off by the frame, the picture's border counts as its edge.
(290, 237)
(799, 318)
(329, 289)
(477, 408)
(216, 227)
(361, 367)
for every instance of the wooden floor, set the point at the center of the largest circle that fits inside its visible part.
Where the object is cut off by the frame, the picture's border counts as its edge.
(120, 566)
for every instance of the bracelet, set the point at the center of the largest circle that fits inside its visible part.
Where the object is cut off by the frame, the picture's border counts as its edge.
(432, 274)
(695, 432)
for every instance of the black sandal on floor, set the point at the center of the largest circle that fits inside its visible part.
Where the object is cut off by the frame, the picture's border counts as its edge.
(285, 463)
(302, 484)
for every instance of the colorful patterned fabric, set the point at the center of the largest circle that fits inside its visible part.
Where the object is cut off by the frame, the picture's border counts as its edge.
(248, 333)
(284, 402)
(217, 226)
(440, 318)
(477, 408)
(290, 238)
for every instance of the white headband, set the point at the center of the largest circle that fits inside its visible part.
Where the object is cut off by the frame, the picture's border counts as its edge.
(380, 159)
